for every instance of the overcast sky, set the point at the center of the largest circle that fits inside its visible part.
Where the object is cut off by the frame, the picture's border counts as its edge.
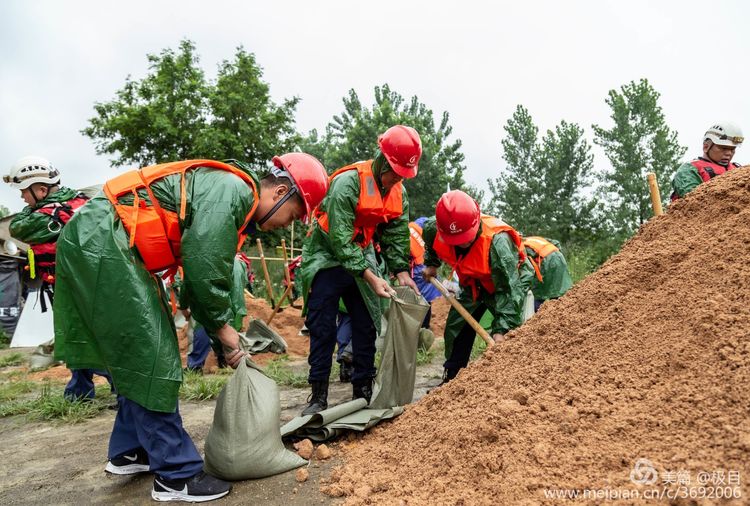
(476, 60)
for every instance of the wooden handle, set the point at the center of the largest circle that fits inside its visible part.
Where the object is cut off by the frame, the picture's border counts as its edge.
(269, 287)
(463, 312)
(286, 262)
(653, 188)
(277, 308)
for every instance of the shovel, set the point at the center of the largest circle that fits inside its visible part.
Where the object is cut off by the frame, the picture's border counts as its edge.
(463, 312)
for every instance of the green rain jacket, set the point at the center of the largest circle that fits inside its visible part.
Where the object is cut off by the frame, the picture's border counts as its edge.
(511, 286)
(326, 250)
(110, 312)
(556, 278)
(32, 227)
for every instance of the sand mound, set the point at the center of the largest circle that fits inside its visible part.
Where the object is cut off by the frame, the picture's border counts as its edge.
(648, 358)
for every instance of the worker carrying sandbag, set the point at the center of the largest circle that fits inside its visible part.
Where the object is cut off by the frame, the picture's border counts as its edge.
(493, 271)
(364, 199)
(112, 310)
(553, 277)
(719, 144)
(49, 207)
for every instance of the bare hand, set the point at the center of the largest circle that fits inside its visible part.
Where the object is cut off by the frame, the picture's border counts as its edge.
(234, 357)
(380, 286)
(231, 341)
(499, 338)
(405, 280)
(429, 272)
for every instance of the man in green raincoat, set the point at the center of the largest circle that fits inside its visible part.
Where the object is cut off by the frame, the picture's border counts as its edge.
(365, 200)
(492, 268)
(553, 278)
(112, 311)
(49, 207)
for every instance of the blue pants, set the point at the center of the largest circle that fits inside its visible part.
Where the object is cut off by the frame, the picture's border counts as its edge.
(171, 453)
(343, 336)
(328, 287)
(81, 384)
(464, 341)
(201, 346)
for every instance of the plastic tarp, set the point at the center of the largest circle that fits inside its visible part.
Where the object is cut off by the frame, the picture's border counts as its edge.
(34, 327)
(244, 441)
(394, 384)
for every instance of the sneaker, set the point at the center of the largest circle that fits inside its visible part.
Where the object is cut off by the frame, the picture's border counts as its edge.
(200, 488)
(129, 463)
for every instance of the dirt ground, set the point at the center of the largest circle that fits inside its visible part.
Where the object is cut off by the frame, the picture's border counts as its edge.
(52, 463)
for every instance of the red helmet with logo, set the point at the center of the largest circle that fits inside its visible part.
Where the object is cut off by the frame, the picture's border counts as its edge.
(308, 175)
(402, 147)
(457, 217)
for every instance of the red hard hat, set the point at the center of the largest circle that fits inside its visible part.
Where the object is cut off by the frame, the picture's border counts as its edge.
(457, 217)
(308, 174)
(402, 147)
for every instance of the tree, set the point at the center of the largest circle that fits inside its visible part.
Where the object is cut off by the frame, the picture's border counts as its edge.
(516, 193)
(176, 113)
(543, 187)
(638, 142)
(353, 134)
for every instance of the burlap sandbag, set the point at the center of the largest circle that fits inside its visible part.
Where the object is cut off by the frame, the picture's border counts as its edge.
(244, 441)
(394, 385)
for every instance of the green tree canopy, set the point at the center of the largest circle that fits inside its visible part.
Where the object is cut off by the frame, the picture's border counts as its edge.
(543, 188)
(176, 113)
(639, 141)
(352, 136)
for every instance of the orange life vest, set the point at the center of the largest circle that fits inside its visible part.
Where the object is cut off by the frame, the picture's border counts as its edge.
(416, 243)
(542, 247)
(372, 209)
(473, 269)
(154, 231)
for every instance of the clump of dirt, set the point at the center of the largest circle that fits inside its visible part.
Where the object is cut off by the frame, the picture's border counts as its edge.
(287, 323)
(647, 358)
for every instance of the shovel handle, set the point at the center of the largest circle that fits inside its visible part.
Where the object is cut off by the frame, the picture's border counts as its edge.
(463, 312)
(277, 309)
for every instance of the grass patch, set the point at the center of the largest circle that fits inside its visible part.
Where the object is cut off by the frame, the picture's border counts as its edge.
(425, 357)
(4, 339)
(12, 359)
(478, 348)
(50, 405)
(278, 370)
(11, 390)
(196, 387)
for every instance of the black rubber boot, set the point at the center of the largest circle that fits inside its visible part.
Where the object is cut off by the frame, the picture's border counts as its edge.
(345, 372)
(362, 389)
(449, 374)
(318, 400)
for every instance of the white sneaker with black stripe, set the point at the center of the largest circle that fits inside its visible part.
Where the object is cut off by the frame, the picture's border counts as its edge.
(129, 463)
(200, 488)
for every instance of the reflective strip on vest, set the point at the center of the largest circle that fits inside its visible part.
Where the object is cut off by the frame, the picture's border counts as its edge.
(372, 209)
(416, 243)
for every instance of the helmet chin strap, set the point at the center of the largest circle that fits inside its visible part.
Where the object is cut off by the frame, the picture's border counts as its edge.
(275, 208)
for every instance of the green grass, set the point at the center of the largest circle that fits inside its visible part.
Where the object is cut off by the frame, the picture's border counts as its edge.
(4, 339)
(50, 405)
(12, 359)
(425, 357)
(11, 390)
(278, 370)
(196, 387)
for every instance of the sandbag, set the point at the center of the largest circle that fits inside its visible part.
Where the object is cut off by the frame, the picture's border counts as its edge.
(260, 338)
(426, 339)
(394, 384)
(244, 441)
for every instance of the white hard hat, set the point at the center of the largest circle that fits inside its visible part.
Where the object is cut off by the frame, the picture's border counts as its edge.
(32, 169)
(724, 134)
